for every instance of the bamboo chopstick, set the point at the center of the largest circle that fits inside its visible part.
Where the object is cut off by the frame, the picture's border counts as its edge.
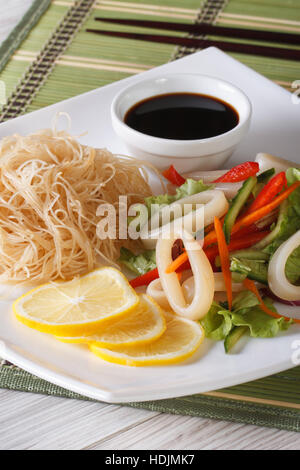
(266, 51)
(205, 28)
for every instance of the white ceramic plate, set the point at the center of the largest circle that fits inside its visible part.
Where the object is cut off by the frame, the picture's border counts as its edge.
(275, 129)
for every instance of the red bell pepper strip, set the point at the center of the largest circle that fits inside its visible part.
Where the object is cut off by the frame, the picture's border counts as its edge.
(173, 176)
(269, 192)
(239, 173)
(245, 232)
(144, 279)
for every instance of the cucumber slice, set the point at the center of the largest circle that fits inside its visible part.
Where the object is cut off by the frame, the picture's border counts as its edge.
(262, 180)
(265, 175)
(283, 209)
(257, 270)
(232, 338)
(237, 204)
(250, 253)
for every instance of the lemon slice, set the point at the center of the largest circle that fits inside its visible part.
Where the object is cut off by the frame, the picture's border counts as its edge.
(79, 306)
(141, 325)
(180, 340)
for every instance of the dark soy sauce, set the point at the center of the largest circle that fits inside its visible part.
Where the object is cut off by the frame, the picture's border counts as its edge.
(182, 116)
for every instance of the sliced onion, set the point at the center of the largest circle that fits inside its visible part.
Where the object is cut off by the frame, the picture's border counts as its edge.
(207, 176)
(267, 161)
(157, 293)
(202, 272)
(188, 286)
(229, 189)
(212, 203)
(268, 219)
(277, 279)
(292, 303)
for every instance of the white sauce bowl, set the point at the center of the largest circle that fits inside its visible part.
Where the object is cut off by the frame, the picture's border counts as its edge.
(185, 155)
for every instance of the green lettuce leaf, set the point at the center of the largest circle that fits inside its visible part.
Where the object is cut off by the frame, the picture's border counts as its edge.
(139, 264)
(161, 201)
(244, 299)
(260, 324)
(293, 175)
(191, 187)
(288, 223)
(217, 322)
(292, 267)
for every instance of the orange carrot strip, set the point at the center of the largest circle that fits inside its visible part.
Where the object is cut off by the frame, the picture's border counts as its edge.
(211, 227)
(177, 263)
(225, 261)
(252, 287)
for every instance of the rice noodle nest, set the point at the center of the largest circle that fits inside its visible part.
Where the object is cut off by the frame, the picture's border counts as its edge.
(50, 189)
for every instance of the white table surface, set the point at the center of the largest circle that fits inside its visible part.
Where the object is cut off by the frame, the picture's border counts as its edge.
(29, 421)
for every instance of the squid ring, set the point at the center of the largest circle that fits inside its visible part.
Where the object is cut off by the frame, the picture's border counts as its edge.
(182, 213)
(202, 272)
(156, 291)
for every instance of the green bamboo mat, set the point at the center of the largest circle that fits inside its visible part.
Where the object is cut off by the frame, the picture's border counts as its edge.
(83, 62)
(272, 402)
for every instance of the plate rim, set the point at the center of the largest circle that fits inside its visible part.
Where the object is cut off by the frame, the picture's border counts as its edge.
(108, 396)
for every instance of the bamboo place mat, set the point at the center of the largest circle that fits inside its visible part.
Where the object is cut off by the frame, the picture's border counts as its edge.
(59, 60)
